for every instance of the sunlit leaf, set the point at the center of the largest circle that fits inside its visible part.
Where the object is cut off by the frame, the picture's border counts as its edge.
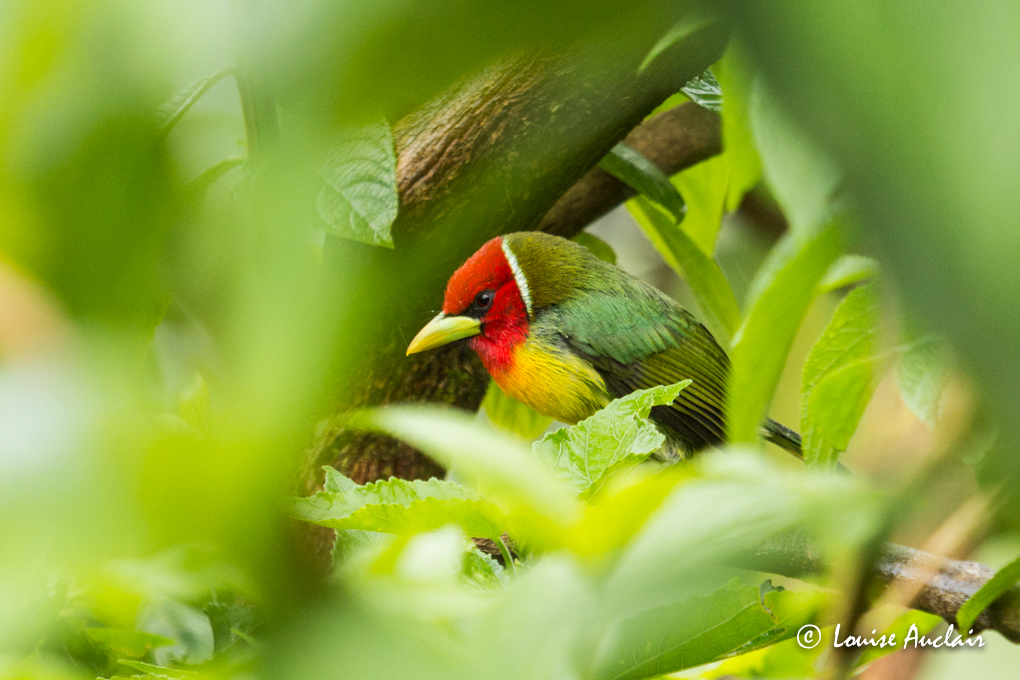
(174, 109)
(1004, 579)
(512, 415)
(399, 506)
(615, 438)
(597, 246)
(702, 273)
(359, 200)
(705, 91)
(641, 175)
(900, 627)
(157, 671)
(921, 376)
(704, 187)
(739, 147)
(837, 380)
(847, 271)
(779, 298)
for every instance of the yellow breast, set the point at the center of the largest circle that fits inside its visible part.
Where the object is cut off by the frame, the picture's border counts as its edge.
(554, 382)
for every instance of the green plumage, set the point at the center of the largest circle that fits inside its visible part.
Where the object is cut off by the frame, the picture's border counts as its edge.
(634, 336)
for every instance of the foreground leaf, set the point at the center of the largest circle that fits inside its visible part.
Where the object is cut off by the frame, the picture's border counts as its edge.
(704, 187)
(359, 201)
(847, 271)
(739, 149)
(398, 506)
(921, 377)
(641, 175)
(512, 415)
(837, 379)
(778, 300)
(1004, 579)
(617, 437)
(173, 110)
(130, 642)
(683, 28)
(702, 273)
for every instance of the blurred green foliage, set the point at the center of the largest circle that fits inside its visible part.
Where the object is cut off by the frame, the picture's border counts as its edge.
(170, 336)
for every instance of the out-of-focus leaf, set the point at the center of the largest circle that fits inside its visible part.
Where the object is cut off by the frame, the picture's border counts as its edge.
(705, 91)
(921, 376)
(641, 175)
(682, 29)
(196, 188)
(130, 642)
(597, 246)
(802, 178)
(512, 415)
(157, 671)
(399, 506)
(360, 201)
(738, 141)
(846, 271)
(779, 298)
(704, 187)
(786, 659)
(615, 438)
(1003, 580)
(498, 466)
(837, 379)
(190, 628)
(702, 273)
(481, 570)
(174, 109)
(702, 629)
(900, 627)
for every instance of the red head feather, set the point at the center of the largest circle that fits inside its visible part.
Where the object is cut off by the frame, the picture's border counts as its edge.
(505, 322)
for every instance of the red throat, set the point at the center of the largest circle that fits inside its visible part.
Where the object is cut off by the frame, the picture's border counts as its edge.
(505, 324)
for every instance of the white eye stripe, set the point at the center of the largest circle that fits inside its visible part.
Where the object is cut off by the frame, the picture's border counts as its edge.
(522, 281)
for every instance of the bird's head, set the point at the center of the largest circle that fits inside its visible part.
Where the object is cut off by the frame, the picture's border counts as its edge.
(488, 299)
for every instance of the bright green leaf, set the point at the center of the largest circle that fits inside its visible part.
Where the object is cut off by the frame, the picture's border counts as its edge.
(398, 506)
(615, 438)
(641, 175)
(921, 376)
(996, 587)
(173, 110)
(837, 379)
(739, 148)
(702, 273)
(705, 91)
(780, 295)
(359, 200)
(900, 627)
(597, 246)
(682, 29)
(482, 571)
(703, 187)
(847, 271)
(512, 415)
(130, 642)
(157, 671)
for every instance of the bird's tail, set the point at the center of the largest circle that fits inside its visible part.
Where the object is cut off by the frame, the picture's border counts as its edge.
(783, 437)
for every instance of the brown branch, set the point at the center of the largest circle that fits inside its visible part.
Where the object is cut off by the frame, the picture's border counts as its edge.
(941, 585)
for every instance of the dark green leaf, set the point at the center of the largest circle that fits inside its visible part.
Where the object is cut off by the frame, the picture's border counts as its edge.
(512, 415)
(399, 506)
(617, 437)
(130, 642)
(172, 111)
(996, 587)
(705, 91)
(682, 29)
(837, 379)
(641, 175)
(702, 273)
(921, 376)
(359, 201)
(779, 298)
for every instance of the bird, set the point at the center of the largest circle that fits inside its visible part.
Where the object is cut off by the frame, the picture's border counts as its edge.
(565, 333)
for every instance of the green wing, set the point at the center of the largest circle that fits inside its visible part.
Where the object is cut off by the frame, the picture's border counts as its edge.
(641, 339)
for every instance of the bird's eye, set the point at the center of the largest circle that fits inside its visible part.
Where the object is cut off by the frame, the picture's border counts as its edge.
(483, 300)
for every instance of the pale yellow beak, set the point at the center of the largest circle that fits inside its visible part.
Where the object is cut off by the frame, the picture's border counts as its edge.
(443, 330)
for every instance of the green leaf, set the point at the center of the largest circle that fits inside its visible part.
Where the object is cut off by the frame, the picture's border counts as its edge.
(702, 273)
(512, 415)
(921, 376)
(704, 91)
(196, 188)
(837, 378)
(996, 587)
(615, 438)
(900, 627)
(156, 671)
(499, 467)
(641, 175)
(739, 147)
(703, 187)
(130, 642)
(398, 506)
(480, 570)
(597, 246)
(779, 298)
(802, 178)
(173, 110)
(190, 627)
(847, 271)
(359, 200)
(698, 630)
(682, 29)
